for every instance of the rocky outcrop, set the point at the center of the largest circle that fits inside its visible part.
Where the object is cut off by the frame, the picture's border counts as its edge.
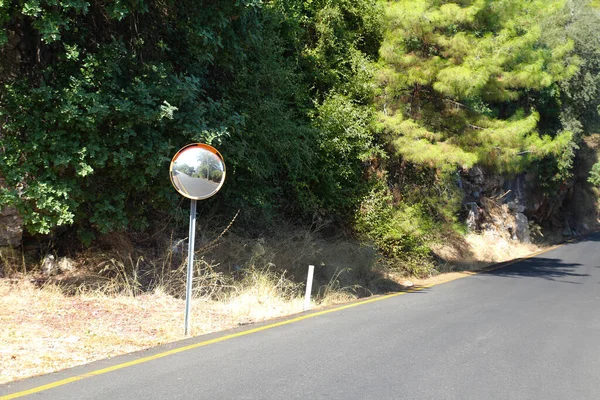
(51, 266)
(498, 206)
(11, 226)
(473, 217)
(504, 206)
(520, 228)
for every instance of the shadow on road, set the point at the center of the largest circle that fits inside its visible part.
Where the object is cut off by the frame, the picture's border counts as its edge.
(547, 268)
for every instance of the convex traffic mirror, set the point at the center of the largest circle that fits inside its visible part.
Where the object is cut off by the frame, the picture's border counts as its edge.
(197, 171)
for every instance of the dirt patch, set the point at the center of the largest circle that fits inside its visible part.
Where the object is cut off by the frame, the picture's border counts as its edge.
(44, 330)
(477, 251)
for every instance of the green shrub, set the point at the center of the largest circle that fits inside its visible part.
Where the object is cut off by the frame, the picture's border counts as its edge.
(102, 94)
(402, 233)
(594, 177)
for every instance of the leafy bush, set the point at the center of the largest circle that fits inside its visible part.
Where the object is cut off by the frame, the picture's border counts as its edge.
(402, 233)
(594, 177)
(96, 97)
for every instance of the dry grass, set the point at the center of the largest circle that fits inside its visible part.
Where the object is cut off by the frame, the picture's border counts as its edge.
(490, 249)
(120, 301)
(114, 304)
(261, 295)
(45, 330)
(11, 261)
(476, 251)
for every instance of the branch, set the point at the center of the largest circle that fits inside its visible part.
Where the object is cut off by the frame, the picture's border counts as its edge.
(456, 103)
(214, 242)
(475, 127)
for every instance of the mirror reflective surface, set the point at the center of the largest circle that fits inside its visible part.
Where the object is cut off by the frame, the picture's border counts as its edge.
(197, 171)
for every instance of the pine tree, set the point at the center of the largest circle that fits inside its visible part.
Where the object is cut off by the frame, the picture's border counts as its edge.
(458, 79)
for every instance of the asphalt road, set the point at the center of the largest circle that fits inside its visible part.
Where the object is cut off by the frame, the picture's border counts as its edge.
(527, 331)
(196, 187)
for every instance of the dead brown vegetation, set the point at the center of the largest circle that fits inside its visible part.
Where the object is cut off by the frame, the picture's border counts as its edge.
(121, 298)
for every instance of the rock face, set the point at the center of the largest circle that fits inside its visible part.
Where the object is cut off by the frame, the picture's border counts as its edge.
(503, 206)
(474, 217)
(52, 266)
(49, 266)
(521, 228)
(11, 228)
(498, 206)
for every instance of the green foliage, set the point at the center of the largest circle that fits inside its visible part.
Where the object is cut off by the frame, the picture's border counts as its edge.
(594, 177)
(581, 94)
(556, 168)
(216, 176)
(96, 97)
(336, 40)
(465, 83)
(320, 106)
(296, 152)
(401, 233)
(88, 131)
(456, 77)
(346, 142)
(404, 220)
(572, 107)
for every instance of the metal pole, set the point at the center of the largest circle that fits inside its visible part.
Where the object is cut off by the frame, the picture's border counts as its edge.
(190, 267)
(309, 281)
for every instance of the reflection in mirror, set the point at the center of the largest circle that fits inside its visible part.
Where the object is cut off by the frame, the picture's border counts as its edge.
(198, 171)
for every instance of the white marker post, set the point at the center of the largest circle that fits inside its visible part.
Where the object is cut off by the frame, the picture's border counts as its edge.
(309, 281)
(190, 268)
(197, 172)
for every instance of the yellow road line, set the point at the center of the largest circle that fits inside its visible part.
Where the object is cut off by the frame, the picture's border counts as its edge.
(254, 330)
(181, 185)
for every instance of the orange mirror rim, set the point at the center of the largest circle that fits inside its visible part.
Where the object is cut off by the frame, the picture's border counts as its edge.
(204, 147)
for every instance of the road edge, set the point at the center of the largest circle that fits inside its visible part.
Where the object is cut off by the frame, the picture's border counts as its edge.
(182, 346)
